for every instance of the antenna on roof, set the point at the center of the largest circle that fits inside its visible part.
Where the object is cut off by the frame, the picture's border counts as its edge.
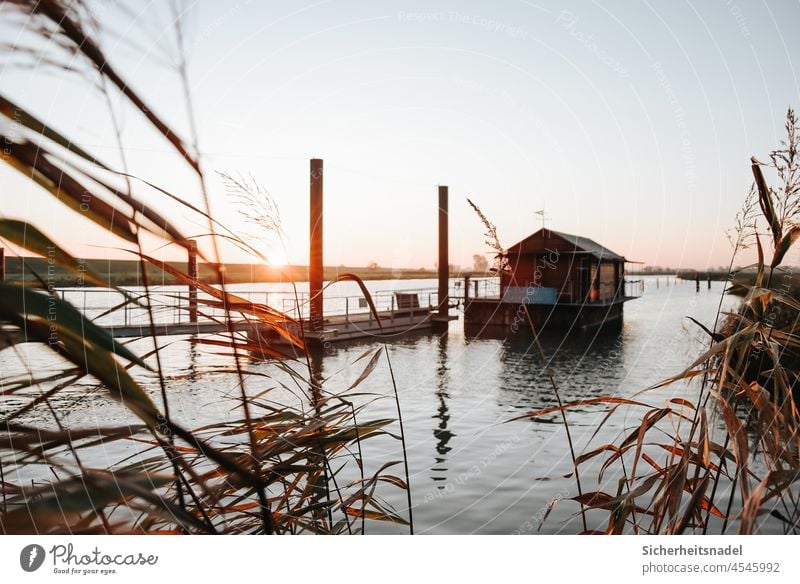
(543, 216)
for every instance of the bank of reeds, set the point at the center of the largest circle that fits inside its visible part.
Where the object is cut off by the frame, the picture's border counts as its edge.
(273, 468)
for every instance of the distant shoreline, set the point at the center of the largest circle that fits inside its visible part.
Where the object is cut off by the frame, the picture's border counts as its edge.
(127, 273)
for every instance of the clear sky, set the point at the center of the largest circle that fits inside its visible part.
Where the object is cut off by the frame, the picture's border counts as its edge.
(629, 122)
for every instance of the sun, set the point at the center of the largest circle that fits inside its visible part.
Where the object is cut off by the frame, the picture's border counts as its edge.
(278, 258)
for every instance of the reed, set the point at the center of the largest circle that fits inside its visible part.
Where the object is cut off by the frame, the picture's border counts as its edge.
(277, 466)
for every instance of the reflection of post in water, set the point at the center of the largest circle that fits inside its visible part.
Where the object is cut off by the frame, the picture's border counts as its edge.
(315, 354)
(441, 432)
(316, 458)
(192, 358)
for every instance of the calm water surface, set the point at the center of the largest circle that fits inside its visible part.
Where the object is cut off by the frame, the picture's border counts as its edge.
(471, 471)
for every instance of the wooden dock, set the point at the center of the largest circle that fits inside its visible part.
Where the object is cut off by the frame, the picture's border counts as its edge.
(334, 328)
(339, 328)
(178, 313)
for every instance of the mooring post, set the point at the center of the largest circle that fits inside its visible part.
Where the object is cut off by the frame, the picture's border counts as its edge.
(316, 318)
(444, 260)
(697, 280)
(193, 274)
(2, 264)
(315, 269)
(709, 280)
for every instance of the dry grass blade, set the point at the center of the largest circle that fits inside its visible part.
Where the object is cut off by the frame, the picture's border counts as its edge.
(60, 16)
(14, 111)
(27, 236)
(583, 402)
(277, 320)
(738, 436)
(364, 291)
(373, 362)
(32, 162)
(765, 201)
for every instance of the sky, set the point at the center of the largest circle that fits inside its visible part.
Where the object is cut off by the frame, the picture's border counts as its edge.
(631, 123)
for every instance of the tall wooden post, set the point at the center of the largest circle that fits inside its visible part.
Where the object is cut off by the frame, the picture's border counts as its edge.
(444, 259)
(315, 266)
(193, 274)
(316, 318)
(2, 264)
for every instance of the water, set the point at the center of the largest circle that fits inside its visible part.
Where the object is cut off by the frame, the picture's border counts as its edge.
(472, 471)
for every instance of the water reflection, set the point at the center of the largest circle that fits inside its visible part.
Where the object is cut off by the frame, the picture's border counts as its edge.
(583, 365)
(191, 367)
(317, 457)
(441, 432)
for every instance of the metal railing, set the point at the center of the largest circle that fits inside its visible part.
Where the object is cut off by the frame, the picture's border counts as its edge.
(170, 305)
(633, 288)
(109, 307)
(353, 305)
(475, 288)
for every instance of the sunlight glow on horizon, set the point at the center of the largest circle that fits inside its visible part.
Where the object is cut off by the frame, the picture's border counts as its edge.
(277, 258)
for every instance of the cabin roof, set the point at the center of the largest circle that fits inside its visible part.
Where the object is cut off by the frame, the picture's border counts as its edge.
(582, 245)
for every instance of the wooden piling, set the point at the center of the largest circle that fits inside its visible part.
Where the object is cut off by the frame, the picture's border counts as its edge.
(444, 259)
(2, 264)
(315, 266)
(193, 273)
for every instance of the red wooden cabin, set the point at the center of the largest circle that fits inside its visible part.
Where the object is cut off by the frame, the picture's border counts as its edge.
(559, 280)
(550, 267)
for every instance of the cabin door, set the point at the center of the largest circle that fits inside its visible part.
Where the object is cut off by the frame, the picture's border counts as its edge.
(583, 282)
